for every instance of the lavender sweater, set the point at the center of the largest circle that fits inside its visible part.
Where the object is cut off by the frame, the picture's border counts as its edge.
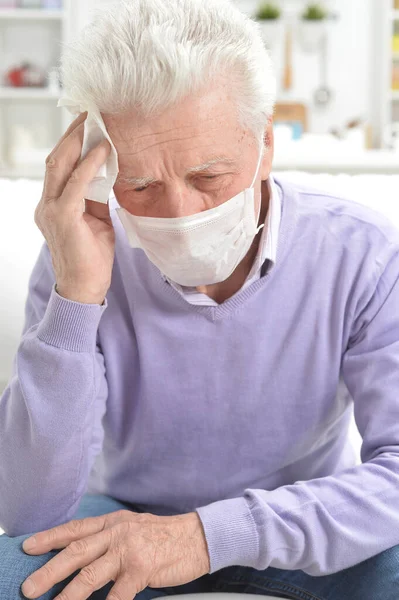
(239, 412)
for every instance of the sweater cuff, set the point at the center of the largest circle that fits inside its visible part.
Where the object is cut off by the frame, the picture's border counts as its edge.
(70, 325)
(230, 532)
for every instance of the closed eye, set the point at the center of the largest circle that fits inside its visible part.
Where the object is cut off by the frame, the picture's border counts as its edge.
(142, 189)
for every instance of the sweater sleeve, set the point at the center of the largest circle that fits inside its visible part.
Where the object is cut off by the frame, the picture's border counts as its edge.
(51, 409)
(331, 523)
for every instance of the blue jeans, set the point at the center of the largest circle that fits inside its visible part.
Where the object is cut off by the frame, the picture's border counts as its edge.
(374, 579)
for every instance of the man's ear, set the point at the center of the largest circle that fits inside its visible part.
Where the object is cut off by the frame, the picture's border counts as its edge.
(269, 134)
(267, 161)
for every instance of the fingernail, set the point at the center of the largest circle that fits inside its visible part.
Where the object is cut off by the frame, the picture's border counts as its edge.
(28, 587)
(29, 543)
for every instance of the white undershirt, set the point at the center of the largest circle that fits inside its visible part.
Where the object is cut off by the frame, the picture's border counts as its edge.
(267, 250)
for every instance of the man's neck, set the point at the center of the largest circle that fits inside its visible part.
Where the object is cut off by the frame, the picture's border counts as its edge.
(220, 292)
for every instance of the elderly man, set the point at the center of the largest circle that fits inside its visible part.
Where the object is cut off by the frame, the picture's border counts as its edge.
(178, 412)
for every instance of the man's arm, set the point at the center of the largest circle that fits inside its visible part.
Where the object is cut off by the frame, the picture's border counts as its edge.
(325, 525)
(51, 410)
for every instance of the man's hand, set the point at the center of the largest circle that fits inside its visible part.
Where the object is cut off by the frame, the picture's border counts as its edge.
(135, 550)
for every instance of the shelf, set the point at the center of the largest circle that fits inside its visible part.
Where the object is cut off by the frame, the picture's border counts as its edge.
(22, 14)
(10, 93)
(395, 15)
(395, 95)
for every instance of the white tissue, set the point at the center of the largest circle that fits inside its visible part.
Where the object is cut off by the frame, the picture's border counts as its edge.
(94, 132)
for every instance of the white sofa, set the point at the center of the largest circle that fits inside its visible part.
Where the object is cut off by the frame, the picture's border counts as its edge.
(20, 241)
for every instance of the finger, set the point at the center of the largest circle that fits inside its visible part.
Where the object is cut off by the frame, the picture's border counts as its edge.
(61, 164)
(73, 126)
(92, 578)
(80, 553)
(124, 589)
(80, 119)
(78, 183)
(62, 535)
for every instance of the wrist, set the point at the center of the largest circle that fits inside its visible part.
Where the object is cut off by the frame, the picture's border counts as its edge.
(196, 532)
(79, 297)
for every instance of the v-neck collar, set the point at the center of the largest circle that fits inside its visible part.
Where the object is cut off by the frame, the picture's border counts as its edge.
(231, 305)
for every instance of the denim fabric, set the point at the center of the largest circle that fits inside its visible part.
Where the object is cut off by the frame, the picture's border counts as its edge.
(374, 579)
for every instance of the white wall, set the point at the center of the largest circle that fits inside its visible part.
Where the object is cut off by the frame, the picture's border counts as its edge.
(20, 242)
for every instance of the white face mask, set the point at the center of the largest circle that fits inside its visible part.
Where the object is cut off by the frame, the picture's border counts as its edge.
(200, 249)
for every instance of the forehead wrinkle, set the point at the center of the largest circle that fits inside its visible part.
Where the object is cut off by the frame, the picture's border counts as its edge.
(157, 144)
(142, 181)
(125, 133)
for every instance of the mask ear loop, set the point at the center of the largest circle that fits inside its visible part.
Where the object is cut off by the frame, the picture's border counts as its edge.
(252, 185)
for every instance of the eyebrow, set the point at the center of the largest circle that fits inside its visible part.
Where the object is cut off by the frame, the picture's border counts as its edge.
(142, 181)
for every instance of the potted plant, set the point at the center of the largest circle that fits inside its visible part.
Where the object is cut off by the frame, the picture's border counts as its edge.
(268, 16)
(313, 27)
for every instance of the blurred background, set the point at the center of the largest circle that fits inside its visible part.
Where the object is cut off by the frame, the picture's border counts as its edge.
(336, 120)
(338, 72)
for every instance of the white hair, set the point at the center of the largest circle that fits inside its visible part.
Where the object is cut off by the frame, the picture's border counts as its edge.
(149, 54)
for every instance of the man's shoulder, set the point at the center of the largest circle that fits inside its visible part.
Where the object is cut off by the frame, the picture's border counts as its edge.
(336, 212)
